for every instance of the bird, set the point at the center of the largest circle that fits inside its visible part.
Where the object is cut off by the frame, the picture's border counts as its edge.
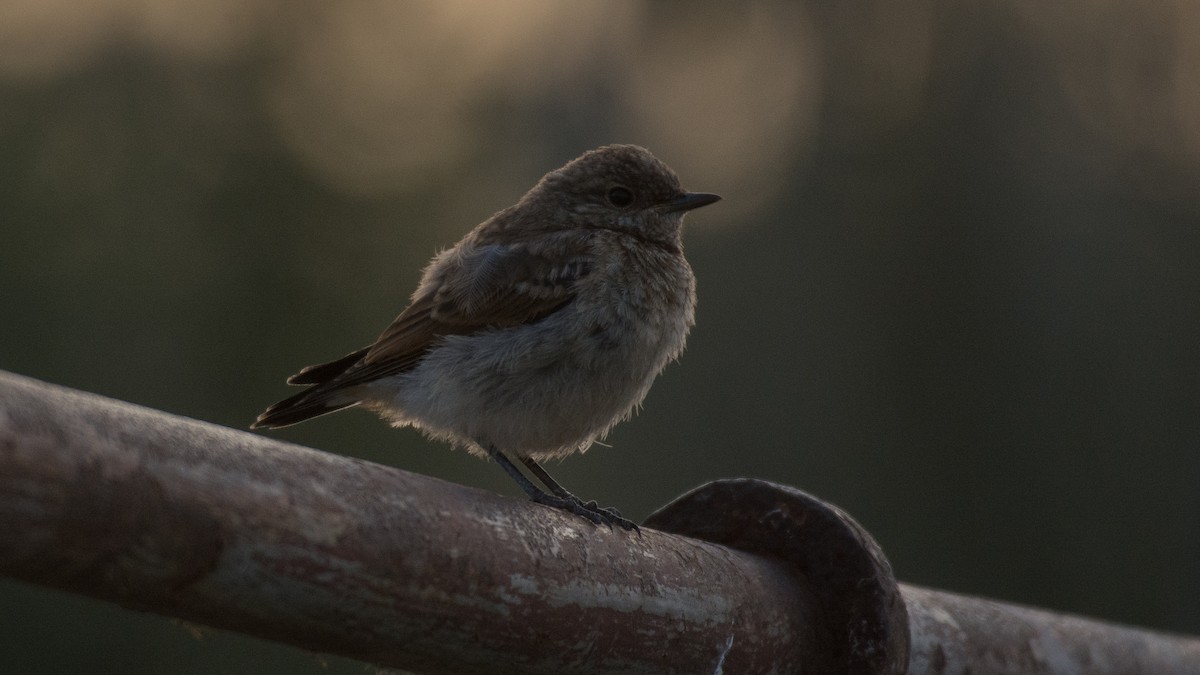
(540, 330)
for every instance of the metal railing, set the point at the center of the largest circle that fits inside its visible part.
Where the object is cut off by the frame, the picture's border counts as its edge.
(170, 515)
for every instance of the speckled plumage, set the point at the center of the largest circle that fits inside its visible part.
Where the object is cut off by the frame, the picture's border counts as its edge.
(543, 327)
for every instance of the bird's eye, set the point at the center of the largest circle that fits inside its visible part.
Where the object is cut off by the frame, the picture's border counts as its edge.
(620, 197)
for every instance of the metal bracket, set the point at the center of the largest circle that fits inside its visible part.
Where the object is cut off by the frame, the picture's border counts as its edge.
(839, 561)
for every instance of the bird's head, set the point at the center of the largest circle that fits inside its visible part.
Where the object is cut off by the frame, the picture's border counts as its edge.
(622, 188)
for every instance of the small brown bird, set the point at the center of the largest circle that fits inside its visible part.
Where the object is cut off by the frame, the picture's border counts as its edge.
(540, 330)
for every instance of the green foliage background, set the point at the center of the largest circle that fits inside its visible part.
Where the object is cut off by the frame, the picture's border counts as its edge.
(953, 287)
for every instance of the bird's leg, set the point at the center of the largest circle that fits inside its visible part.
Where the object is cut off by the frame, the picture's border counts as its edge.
(565, 501)
(609, 514)
(540, 474)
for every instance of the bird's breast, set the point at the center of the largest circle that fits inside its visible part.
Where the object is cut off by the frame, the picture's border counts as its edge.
(639, 307)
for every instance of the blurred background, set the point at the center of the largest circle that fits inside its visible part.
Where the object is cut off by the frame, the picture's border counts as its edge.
(953, 286)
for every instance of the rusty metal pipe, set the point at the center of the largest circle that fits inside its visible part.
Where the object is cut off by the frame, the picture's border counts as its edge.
(187, 519)
(237, 531)
(959, 635)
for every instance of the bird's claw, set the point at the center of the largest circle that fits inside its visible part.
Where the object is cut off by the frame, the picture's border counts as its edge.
(599, 515)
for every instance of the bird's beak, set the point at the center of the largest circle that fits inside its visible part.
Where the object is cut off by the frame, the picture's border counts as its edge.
(690, 200)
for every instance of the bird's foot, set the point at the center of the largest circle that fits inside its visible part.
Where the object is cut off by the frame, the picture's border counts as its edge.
(599, 515)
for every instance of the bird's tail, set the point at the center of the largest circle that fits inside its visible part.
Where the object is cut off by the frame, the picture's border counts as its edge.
(303, 406)
(324, 396)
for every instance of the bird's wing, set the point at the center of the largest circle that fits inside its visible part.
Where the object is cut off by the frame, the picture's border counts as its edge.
(490, 286)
